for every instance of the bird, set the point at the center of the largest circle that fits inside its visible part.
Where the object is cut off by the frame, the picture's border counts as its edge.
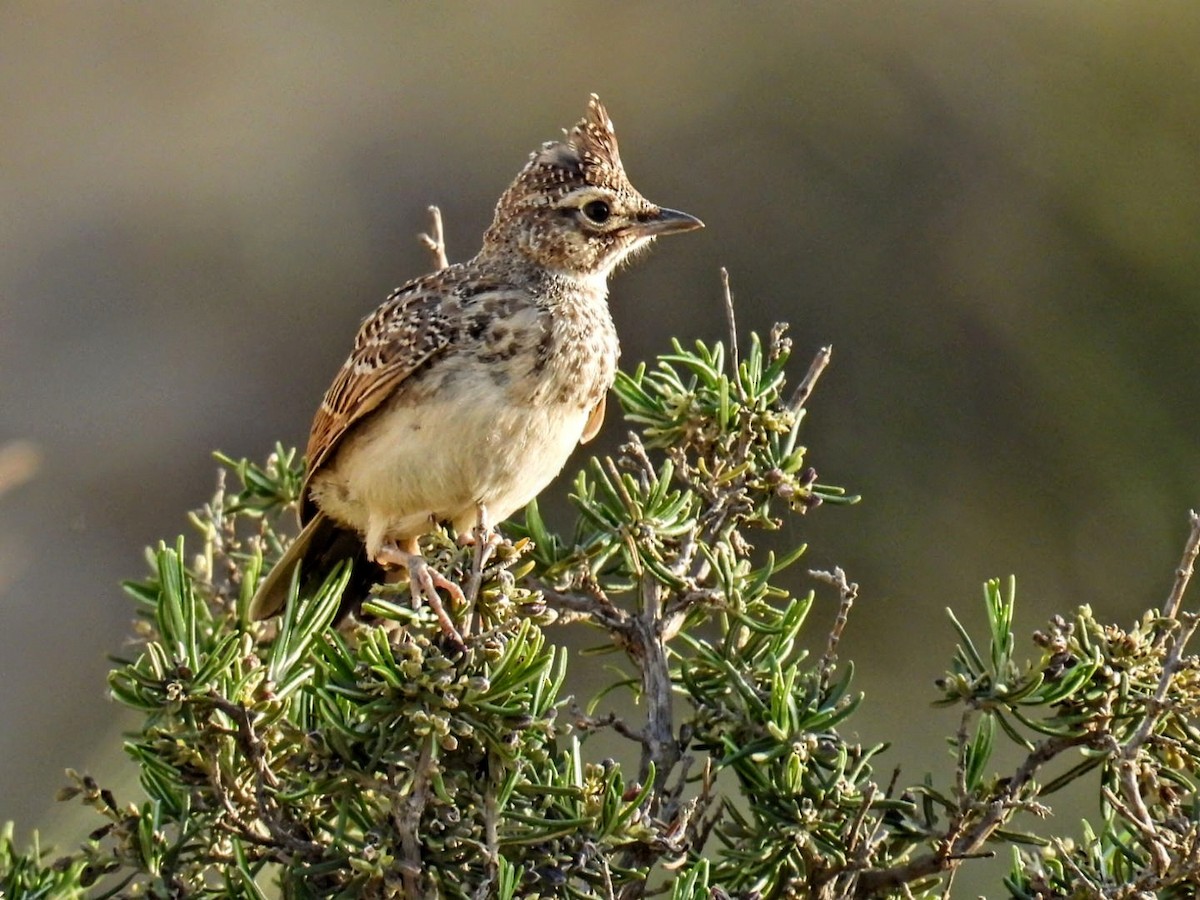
(468, 388)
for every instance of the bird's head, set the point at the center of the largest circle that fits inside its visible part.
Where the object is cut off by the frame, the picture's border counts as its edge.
(572, 210)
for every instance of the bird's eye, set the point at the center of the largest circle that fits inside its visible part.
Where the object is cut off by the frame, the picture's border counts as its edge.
(597, 211)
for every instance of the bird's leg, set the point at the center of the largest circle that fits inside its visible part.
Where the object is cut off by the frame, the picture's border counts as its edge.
(424, 582)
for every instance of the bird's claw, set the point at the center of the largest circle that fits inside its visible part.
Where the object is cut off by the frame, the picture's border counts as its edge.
(424, 582)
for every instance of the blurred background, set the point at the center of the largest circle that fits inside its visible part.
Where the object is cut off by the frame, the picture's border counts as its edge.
(991, 211)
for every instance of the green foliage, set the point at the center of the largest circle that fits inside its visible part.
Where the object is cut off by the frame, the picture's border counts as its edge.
(22, 874)
(375, 758)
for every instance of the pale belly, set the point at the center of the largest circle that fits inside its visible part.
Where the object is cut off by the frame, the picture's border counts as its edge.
(413, 465)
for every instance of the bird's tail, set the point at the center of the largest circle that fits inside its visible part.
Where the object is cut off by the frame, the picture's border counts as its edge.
(320, 546)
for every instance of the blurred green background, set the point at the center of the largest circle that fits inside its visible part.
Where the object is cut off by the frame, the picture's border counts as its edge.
(990, 210)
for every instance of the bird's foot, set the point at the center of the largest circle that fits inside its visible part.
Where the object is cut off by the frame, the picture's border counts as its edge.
(424, 582)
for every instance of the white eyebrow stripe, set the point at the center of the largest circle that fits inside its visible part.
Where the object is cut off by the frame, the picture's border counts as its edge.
(582, 195)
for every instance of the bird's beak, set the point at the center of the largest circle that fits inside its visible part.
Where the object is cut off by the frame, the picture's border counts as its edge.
(665, 221)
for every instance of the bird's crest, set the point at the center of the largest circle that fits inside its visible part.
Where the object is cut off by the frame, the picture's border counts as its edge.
(588, 154)
(594, 138)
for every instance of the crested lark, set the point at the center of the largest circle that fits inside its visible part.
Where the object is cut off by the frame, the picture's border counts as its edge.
(468, 388)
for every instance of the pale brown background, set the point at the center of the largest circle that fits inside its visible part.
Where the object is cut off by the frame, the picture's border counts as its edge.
(990, 210)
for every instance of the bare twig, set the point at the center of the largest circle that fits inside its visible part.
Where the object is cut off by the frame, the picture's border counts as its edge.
(598, 609)
(491, 836)
(252, 749)
(635, 457)
(435, 243)
(1157, 704)
(1183, 571)
(731, 318)
(683, 601)
(1131, 805)
(234, 823)
(949, 885)
(646, 646)
(805, 388)
(659, 744)
(966, 844)
(408, 821)
(609, 891)
(858, 845)
(1079, 874)
(847, 594)
(485, 541)
(586, 723)
(1137, 815)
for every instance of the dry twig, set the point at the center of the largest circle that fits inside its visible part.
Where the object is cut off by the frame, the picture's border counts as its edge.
(435, 243)
(1183, 572)
(805, 388)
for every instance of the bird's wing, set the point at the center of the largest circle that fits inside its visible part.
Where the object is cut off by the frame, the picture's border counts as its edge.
(594, 421)
(409, 329)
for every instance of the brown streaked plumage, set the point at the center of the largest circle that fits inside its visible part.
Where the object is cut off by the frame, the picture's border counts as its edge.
(469, 387)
